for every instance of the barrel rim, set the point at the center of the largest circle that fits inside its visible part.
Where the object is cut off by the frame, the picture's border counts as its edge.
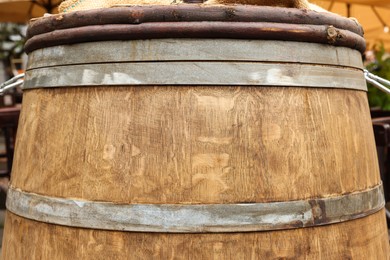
(194, 21)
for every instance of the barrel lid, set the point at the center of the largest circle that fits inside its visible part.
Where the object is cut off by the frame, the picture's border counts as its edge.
(194, 21)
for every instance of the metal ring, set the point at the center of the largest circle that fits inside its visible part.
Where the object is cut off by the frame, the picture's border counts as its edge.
(228, 50)
(196, 73)
(183, 218)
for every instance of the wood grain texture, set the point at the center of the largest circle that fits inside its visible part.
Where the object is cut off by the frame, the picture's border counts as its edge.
(194, 144)
(364, 238)
(189, 145)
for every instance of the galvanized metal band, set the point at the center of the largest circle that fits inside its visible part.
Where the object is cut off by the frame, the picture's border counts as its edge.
(194, 50)
(196, 73)
(212, 30)
(189, 13)
(184, 218)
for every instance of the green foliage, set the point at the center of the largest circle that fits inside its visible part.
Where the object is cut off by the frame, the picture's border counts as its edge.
(381, 68)
(12, 41)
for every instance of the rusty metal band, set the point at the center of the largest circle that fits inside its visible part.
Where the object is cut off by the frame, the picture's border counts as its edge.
(203, 73)
(184, 218)
(188, 13)
(227, 30)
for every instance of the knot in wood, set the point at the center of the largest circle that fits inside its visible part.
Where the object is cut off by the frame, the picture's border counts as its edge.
(332, 34)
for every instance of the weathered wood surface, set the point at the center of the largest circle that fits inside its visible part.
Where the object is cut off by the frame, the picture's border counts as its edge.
(364, 238)
(194, 145)
(187, 145)
(191, 145)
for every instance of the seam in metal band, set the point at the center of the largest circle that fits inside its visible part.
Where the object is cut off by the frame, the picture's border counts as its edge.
(198, 218)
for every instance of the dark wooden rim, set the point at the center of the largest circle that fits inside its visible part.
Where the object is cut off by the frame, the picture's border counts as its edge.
(188, 13)
(194, 21)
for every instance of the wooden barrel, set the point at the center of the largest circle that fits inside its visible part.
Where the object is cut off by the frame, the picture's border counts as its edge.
(193, 132)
